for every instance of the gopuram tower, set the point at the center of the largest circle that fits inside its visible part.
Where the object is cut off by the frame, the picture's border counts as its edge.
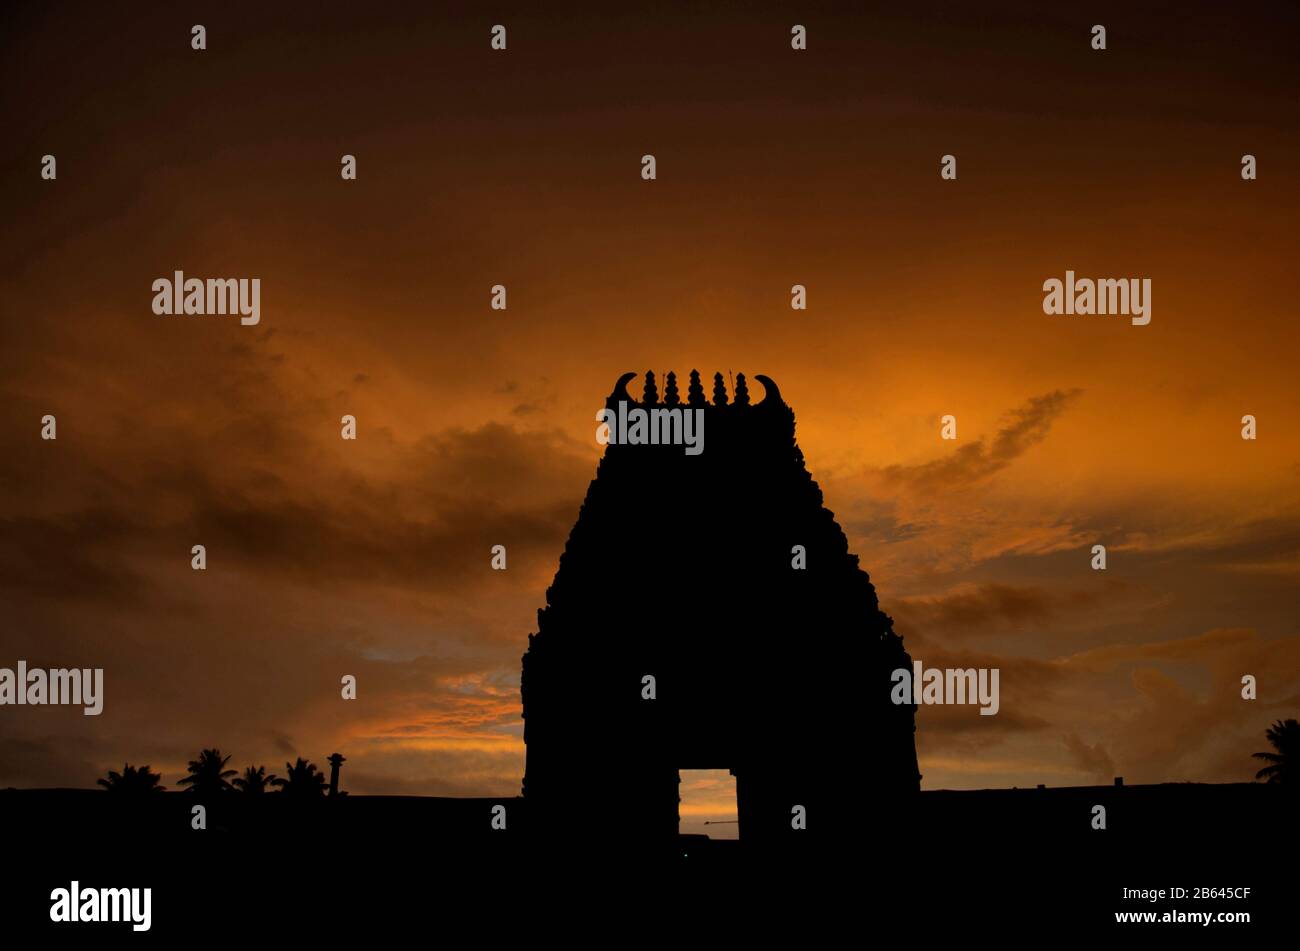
(707, 614)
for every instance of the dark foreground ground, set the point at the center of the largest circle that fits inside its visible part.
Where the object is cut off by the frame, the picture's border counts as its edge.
(984, 867)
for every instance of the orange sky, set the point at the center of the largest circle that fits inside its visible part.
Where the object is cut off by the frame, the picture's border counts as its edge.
(522, 168)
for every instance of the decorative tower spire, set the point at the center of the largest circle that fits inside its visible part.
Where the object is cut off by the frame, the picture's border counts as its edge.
(742, 392)
(719, 391)
(336, 760)
(671, 397)
(650, 395)
(695, 393)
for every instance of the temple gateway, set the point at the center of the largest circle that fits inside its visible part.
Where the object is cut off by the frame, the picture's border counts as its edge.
(723, 576)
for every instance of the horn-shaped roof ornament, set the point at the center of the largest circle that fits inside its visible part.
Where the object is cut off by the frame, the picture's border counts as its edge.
(770, 393)
(620, 393)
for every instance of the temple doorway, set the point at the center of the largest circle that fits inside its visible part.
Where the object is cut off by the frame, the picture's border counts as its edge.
(707, 803)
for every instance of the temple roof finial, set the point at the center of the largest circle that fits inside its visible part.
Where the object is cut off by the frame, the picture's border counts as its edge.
(671, 396)
(650, 395)
(742, 391)
(695, 393)
(719, 391)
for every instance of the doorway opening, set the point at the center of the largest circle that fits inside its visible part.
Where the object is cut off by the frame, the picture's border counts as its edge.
(707, 803)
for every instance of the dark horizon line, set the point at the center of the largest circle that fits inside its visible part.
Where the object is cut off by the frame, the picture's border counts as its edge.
(356, 795)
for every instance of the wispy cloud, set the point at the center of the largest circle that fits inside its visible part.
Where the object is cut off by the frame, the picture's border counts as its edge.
(970, 462)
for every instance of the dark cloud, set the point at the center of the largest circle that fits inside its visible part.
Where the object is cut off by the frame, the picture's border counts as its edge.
(1092, 760)
(986, 608)
(70, 556)
(1026, 615)
(432, 525)
(971, 462)
(874, 520)
(967, 721)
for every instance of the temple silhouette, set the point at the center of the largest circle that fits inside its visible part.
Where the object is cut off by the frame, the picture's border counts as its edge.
(682, 568)
(685, 569)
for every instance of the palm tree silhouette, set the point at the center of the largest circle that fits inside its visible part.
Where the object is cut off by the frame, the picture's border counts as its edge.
(207, 774)
(302, 780)
(254, 781)
(1284, 765)
(132, 781)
